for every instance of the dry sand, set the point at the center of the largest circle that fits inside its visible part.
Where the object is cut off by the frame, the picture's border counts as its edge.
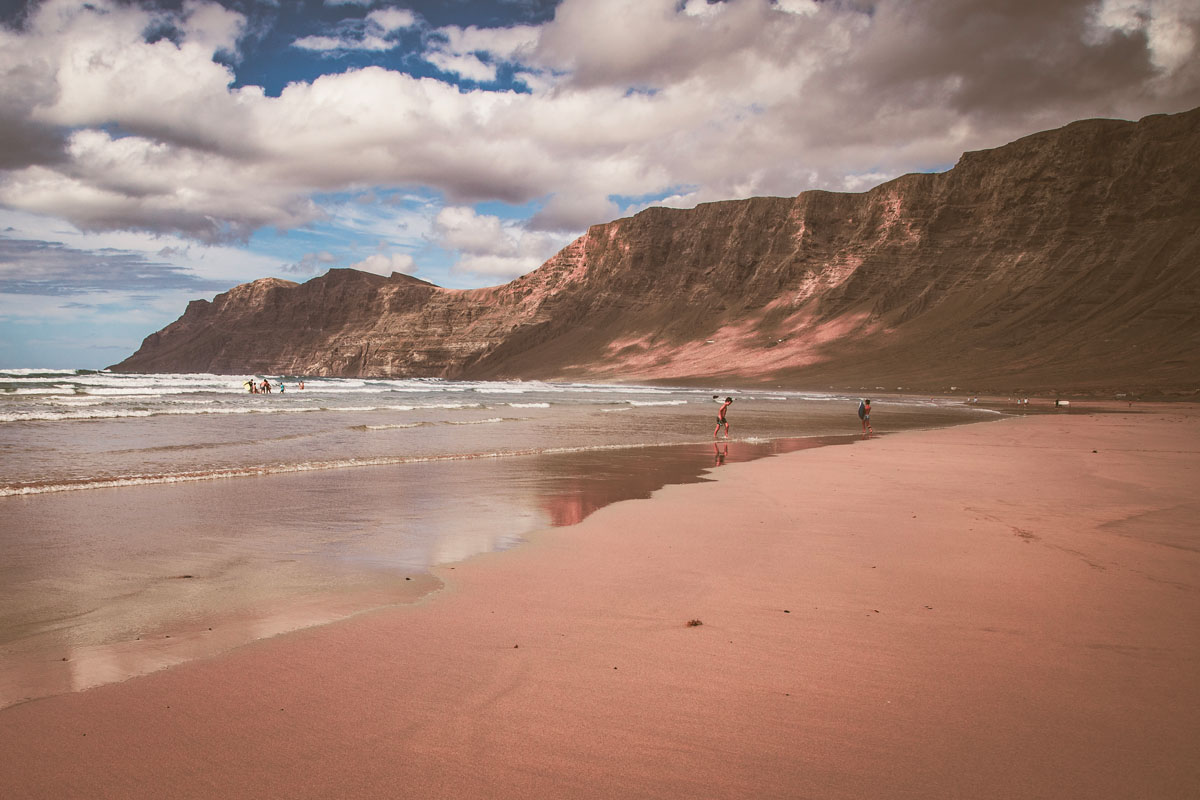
(1004, 610)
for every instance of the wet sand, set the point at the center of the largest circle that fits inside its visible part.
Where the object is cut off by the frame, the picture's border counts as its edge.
(100, 586)
(1009, 609)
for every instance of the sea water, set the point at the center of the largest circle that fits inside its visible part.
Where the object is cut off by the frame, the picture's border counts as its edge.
(149, 519)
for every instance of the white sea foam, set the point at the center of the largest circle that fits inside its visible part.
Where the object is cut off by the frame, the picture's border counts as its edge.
(4, 373)
(44, 390)
(502, 390)
(530, 405)
(73, 401)
(142, 391)
(444, 406)
(101, 410)
(640, 403)
(123, 413)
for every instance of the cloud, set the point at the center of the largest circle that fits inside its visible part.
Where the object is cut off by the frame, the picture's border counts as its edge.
(137, 183)
(385, 264)
(460, 228)
(91, 66)
(1169, 27)
(621, 99)
(476, 53)
(311, 263)
(803, 8)
(497, 267)
(29, 267)
(567, 211)
(392, 19)
(504, 43)
(464, 65)
(490, 247)
(347, 42)
(376, 32)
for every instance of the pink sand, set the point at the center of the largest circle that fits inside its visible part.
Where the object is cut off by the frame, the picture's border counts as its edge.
(1005, 610)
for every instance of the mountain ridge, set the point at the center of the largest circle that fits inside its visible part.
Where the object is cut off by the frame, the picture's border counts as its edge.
(1066, 260)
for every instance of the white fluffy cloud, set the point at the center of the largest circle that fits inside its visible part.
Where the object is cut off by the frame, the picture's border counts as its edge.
(487, 246)
(1169, 27)
(342, 43)
(392, 19)
(627, 99)
(374, 33)
(385, 264)
(476, 53)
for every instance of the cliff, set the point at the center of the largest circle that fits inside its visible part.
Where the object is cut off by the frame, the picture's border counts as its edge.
(1068, 260)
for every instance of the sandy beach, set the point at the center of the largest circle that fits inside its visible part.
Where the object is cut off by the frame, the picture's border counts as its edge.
(1000, 610)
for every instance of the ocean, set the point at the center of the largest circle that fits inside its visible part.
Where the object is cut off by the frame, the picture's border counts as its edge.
(153, 519)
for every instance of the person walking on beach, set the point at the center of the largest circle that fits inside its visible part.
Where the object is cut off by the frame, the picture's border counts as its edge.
(721, 418)
(864, 413)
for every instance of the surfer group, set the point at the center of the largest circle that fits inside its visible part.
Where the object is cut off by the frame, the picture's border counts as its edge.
(254, 387)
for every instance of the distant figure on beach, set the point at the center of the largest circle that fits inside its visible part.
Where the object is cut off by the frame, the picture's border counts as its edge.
(721, 418)
(265, 388)
(864, 413)
(301, 384)
(281, 387)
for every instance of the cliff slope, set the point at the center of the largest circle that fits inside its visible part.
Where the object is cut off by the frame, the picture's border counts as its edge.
(1067, 260)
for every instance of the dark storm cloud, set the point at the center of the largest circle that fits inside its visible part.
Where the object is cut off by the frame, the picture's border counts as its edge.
(990, 58)
(24, 144)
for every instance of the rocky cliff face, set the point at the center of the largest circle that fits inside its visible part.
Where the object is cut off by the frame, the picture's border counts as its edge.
(1066, 260)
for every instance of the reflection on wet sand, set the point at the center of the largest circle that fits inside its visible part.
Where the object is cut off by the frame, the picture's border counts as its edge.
(98, 586)
(571, 486)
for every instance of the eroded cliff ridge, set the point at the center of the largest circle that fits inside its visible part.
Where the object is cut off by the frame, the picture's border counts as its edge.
(1067, 260)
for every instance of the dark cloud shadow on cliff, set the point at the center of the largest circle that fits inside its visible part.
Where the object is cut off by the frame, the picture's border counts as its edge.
(50, 269)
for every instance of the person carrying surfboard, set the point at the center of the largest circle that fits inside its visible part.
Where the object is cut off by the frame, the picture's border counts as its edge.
(864, 413)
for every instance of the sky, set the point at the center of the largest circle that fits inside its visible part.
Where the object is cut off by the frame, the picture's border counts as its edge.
(154, 152)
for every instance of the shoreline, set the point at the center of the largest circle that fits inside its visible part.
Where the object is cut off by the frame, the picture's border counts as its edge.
(991, 610)
(87, 604)
(36, 669)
